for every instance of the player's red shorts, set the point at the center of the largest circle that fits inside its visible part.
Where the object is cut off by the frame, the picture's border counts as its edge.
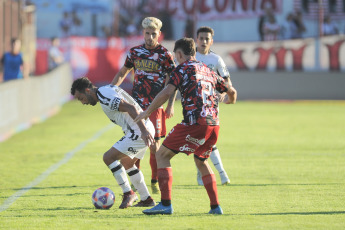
(157, 118)
(197, 139)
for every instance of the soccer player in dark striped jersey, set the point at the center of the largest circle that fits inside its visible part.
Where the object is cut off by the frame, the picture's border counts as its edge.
(152, 64)
(198, 131)
(213, 61)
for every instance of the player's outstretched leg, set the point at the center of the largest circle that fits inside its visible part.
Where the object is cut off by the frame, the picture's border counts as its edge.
(165, 184)
(210, 184)
(165, 179)
(153, 164)
(199, 178)
(137, 179)
(217, 161)
(121, 178)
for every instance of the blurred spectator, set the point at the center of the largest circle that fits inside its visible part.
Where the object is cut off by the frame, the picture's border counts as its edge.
(289, 29)
(300, 24)
(189, 28)
(12, 63)
(55, 56)
(131, 29)
(328, 27)
(76, 24)
(105, 31)
(271, 29)
(263, 19)
(65, 25)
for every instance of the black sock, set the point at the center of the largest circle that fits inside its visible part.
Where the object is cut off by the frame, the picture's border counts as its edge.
(214, 206)
(153, 181)
(166, 202)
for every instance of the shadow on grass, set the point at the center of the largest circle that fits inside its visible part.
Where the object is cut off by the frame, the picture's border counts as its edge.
(53, 187)
(299, 213)
(252, 185)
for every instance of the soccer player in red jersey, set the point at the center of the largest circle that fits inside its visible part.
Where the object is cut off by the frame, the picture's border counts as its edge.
(204, 41)
(152, 64)
(198, 132)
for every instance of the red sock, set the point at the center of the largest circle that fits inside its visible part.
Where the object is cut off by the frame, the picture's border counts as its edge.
(137, 163)
(153, 164)
(165, 179)
(211, 188)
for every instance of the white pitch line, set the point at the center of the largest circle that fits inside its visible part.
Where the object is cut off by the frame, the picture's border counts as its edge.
(7, 203)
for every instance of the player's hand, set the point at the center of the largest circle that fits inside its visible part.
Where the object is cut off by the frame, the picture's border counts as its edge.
(141, 116)
(221, 97)
(169, 112)
(232, 97)
(147, 137)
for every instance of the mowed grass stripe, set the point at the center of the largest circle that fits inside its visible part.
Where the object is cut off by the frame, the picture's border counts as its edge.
(7, 203)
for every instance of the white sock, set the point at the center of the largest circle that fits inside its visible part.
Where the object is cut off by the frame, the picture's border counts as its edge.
(120, 176)
(137, 179)
(217, 161)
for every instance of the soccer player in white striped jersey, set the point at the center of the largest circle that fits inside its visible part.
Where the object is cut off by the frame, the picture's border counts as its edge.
(121, 109)
(204, 54)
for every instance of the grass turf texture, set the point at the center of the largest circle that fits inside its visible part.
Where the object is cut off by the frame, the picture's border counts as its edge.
(286, 162)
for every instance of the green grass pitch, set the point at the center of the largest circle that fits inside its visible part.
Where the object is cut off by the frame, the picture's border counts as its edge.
(286, 162)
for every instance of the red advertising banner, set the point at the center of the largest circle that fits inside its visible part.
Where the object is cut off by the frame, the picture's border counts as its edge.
(207, 9)
(97, 58)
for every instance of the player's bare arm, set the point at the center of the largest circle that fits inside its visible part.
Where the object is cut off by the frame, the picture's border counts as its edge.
(120, 76)
(159, 100)
(131, 110)
(169, 111)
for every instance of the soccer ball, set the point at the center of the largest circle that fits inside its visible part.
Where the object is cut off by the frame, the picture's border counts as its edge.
(103, 198)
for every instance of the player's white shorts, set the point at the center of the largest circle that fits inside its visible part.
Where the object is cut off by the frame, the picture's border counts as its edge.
(132, 145)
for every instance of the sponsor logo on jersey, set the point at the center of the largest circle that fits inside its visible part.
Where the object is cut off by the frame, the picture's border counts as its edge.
(195, 140)
(185, 148)
(132, 150)
(146, 65)
(207, 153)
(115, 104)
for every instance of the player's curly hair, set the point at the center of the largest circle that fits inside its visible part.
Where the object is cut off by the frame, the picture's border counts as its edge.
(81, 84)
(187, 45)
(205, 29)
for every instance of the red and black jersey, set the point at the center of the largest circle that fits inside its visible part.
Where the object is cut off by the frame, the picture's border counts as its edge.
(197, 84)
(151, 67)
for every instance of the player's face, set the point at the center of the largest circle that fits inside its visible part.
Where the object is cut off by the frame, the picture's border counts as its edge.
(151, 37)
(85, 98)
(204, 42)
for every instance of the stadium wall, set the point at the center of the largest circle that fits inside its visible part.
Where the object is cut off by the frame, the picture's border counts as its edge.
(261, 85)
(29, 101)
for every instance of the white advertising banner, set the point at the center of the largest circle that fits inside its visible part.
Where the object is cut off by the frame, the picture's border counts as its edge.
(28, 101)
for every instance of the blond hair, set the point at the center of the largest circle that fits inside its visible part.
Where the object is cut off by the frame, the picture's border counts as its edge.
(152, 22)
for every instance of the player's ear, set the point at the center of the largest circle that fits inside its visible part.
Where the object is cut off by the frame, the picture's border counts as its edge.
(87, 90)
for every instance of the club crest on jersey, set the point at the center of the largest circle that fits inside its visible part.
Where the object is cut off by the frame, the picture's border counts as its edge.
(185, 148)
(155, 57)
(195, 140)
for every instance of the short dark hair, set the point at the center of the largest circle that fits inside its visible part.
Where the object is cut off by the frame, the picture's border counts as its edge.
(81, 84)
(205, 29)
(13, 40)
(187, 45)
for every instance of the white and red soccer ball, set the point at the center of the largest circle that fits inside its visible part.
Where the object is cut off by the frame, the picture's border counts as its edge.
(103, 198)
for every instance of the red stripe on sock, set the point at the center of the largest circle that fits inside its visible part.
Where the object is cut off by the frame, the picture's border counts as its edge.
(165, 179)
(211, 188)
(153, 164)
